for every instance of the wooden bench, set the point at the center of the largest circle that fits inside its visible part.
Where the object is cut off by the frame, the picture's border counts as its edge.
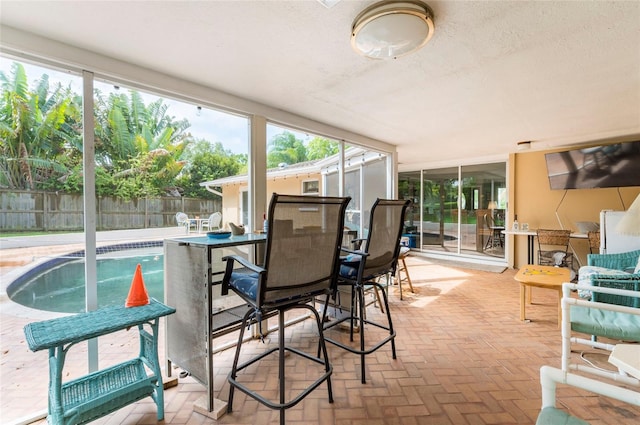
(99, 393)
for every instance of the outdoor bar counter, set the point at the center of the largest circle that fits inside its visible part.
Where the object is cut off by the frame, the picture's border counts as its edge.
(193, 271)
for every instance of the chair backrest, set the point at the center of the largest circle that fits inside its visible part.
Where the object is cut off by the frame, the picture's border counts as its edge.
(214, 220)
(181, 218)
(619, 261)
(594, 242)
(551, 238)
(490, 222)
(303, 246)
(553, 247)
(383, 241)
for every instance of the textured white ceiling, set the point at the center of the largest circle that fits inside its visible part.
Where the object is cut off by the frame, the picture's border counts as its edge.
(494, 73)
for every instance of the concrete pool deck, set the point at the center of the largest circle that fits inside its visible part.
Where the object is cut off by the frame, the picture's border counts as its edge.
(15, 242)
(18, 254)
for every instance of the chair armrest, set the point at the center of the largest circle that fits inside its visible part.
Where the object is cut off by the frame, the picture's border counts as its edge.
(244, 262)
(353, 251)
(630, 282)
(357, 242)
(567, 299)
(230, 260)
(550, 376)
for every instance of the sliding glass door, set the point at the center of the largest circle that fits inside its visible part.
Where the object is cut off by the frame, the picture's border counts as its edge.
(457, 210)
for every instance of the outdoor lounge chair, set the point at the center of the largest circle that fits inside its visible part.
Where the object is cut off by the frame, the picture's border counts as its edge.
(301, 262)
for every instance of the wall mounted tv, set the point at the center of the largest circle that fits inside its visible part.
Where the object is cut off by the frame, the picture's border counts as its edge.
(607, 165)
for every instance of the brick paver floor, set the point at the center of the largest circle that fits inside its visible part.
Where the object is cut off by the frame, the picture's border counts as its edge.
(463, 357)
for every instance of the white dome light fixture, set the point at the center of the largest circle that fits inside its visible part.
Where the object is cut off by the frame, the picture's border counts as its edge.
(390, 29)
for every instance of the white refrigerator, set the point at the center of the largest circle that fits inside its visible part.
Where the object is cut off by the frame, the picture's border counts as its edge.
(612, 242)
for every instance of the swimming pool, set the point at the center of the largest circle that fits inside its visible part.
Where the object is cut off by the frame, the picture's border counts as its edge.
(58, 285)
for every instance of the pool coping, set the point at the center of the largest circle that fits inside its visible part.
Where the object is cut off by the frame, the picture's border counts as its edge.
(28, 271)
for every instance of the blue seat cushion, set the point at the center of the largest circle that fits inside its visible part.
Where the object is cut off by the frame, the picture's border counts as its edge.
(553, 416)
(374, 266)
(349, 266)
(246, 282)
(614, 325)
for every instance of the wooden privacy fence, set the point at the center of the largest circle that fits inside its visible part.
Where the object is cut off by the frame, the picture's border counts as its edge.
(54, 211)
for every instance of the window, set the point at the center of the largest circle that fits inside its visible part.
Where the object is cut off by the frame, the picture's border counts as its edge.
(311, 187)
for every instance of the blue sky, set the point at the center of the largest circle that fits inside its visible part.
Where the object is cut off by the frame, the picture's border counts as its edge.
(231, 130)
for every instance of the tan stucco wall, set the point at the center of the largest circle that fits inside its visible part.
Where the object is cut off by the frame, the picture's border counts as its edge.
(289, 186)
(231, 204)
(534, 202)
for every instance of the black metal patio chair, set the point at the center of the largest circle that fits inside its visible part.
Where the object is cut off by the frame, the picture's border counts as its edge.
(301, 262)
(363, 268)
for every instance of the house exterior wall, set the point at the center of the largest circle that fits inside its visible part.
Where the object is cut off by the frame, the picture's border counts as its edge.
(232, 194)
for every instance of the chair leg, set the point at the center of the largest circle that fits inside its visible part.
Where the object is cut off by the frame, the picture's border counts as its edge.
(357, 315)
(353, 308)
(402, 268)
(322, 343)
(489, 242)
(234, 368)
(391, 331)
(378, 299)
(281, 355)
(361, 308)
(405, 269)
(283, 404)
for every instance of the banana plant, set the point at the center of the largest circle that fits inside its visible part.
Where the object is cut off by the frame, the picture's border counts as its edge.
(36, 128)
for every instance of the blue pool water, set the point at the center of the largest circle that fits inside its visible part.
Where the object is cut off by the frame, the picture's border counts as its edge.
(60, 286)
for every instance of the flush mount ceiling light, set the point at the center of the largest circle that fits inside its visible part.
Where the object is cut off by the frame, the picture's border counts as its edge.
(328, 3)
(391, 29)
(524, 145)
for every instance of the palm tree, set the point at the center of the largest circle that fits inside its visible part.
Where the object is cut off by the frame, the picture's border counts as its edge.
(284, 148)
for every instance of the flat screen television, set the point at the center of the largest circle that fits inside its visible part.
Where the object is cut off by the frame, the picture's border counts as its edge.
(610, 165)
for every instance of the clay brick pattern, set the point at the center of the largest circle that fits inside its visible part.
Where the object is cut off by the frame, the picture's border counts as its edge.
(464, 358)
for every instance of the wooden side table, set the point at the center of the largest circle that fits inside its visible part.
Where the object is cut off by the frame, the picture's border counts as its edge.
(548, 277)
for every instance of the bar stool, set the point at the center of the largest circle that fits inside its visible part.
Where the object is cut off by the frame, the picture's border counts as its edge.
(361, 270)
(402, 269)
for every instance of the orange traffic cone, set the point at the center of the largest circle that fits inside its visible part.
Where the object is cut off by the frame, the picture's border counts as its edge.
(138, 292)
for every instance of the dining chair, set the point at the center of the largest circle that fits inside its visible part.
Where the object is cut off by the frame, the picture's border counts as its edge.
(183, 220)
(213, 222)
(363, 269)
(553, 248)
(301, 262)
(594, 241)
(495, 233)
